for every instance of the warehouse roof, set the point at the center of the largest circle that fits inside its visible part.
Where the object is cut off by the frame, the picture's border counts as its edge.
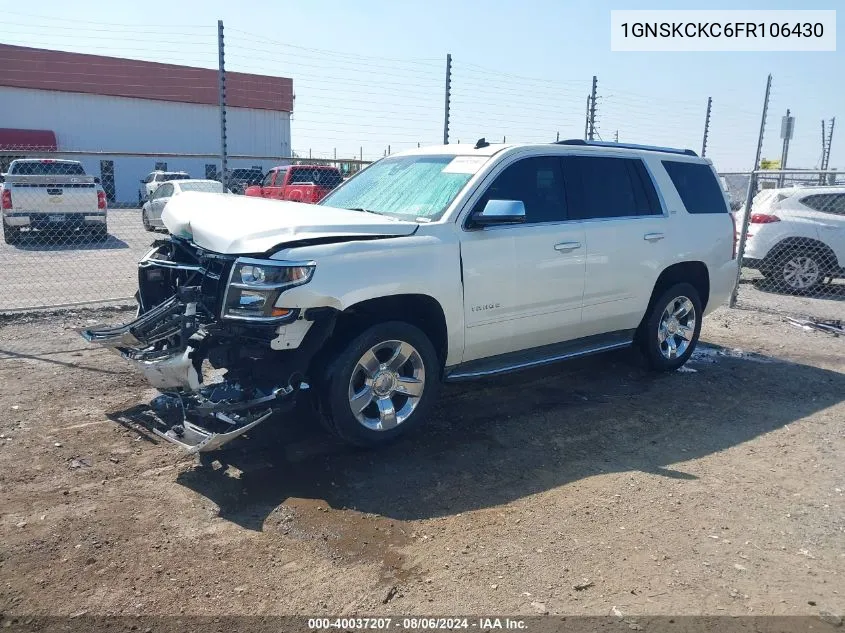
(42, 69)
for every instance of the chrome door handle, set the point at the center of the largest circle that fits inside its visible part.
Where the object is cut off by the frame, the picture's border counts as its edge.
(653, 237)
(565, 247)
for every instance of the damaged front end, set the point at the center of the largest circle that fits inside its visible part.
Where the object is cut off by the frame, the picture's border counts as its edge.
(197, 306)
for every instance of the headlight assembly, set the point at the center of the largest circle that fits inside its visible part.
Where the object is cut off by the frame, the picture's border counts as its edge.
(255, 285)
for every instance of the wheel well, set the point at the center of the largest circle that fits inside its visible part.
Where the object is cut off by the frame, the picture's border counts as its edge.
(694, 273)
(421, 311)
(803, 243)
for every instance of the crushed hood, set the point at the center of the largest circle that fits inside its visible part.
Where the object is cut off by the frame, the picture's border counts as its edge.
(232, 224)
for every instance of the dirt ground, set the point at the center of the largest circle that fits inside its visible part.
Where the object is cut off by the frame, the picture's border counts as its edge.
(591, 487)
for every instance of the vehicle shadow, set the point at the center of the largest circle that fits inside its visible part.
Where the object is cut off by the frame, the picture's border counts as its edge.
(491, 442)
(74, 241)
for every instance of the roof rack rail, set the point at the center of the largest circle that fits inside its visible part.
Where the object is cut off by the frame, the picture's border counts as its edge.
(651, 148)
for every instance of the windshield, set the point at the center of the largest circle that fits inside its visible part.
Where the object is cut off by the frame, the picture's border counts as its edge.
(407, 187)
(211, 186)
(47, 168)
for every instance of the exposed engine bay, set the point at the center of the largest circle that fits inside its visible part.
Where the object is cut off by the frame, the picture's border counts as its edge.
(197, 307)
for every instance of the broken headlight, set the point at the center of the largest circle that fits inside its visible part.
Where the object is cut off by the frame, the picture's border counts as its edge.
(255, 285)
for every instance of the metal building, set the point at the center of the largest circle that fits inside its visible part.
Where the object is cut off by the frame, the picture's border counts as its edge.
(123, 118)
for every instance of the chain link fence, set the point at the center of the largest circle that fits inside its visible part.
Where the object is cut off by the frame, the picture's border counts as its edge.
(791, 243)
(75, 225)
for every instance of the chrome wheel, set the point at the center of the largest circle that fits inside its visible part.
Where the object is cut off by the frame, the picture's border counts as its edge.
(386, 385)
(801, 272)
(677, 327)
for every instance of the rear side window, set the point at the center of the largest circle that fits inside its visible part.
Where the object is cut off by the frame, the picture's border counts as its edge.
(608, 187)
(826, 202)
(697, 185)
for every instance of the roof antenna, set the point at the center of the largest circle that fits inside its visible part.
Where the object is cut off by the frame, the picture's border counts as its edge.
(481, 143)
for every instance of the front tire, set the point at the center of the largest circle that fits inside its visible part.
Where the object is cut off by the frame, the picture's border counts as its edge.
(145, 219)
(670, 330)
(381, 385)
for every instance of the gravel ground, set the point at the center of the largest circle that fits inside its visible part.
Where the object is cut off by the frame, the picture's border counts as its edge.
(592, 487)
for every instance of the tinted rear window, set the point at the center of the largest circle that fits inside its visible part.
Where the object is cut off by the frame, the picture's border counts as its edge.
(322, 177)
(175, 177)
(697, 185)
(826, 202)
(38, 168)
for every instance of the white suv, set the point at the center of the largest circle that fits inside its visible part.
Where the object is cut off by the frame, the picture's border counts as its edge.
(154, 180)
(796, 236)
(439, 264)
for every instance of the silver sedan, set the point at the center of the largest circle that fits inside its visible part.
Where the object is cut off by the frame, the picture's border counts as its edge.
(151, 211)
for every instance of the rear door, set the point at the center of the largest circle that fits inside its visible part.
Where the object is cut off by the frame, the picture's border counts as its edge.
(830, 208)
(626, 234)
(523, 283)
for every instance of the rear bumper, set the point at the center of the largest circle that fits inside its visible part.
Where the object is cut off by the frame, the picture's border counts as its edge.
(38, 220)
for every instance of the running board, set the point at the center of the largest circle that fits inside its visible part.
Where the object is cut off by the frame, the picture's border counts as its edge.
(538, 356)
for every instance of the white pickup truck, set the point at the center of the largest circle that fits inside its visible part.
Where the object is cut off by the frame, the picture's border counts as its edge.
(51, 196)
(438, 264)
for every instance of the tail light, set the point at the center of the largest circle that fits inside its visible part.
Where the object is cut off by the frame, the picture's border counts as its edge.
(101, 200)
(763, 218)
(735, 235)
(6, 202)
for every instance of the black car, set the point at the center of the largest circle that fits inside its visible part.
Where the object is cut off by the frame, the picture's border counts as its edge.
(240, 179)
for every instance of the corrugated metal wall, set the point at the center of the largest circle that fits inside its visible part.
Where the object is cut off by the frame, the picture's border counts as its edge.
(84, 122)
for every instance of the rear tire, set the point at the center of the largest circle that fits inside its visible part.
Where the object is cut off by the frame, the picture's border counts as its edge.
(11, 234)
(799, 271)
(376, 373)
(670, 329)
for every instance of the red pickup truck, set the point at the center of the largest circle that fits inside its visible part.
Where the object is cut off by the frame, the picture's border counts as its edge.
(300, 183)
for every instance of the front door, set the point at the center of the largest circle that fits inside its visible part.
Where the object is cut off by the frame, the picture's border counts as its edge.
(523, 283)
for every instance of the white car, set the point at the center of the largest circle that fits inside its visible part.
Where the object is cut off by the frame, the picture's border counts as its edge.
(796, 236)
(438, 264)
(155, 178)
(151, 211)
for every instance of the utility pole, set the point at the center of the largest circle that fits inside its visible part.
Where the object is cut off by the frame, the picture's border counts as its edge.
(826, 163)
(706, 127)
(616, 136)
(751, 192)
(592, 130)
(558, 138)
(448, 98)
(786, 131)
(221, 100)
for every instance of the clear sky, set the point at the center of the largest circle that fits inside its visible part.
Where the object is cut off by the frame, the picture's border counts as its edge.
(369, 74)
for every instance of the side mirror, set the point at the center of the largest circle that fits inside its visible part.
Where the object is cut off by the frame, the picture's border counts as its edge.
(500, 212)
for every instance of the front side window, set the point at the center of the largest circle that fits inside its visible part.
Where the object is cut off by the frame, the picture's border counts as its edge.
(537, 182)
(609, 187)
(406, 187)
(268, 179)
(697, 185)
(165, 191)
(280, 178)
